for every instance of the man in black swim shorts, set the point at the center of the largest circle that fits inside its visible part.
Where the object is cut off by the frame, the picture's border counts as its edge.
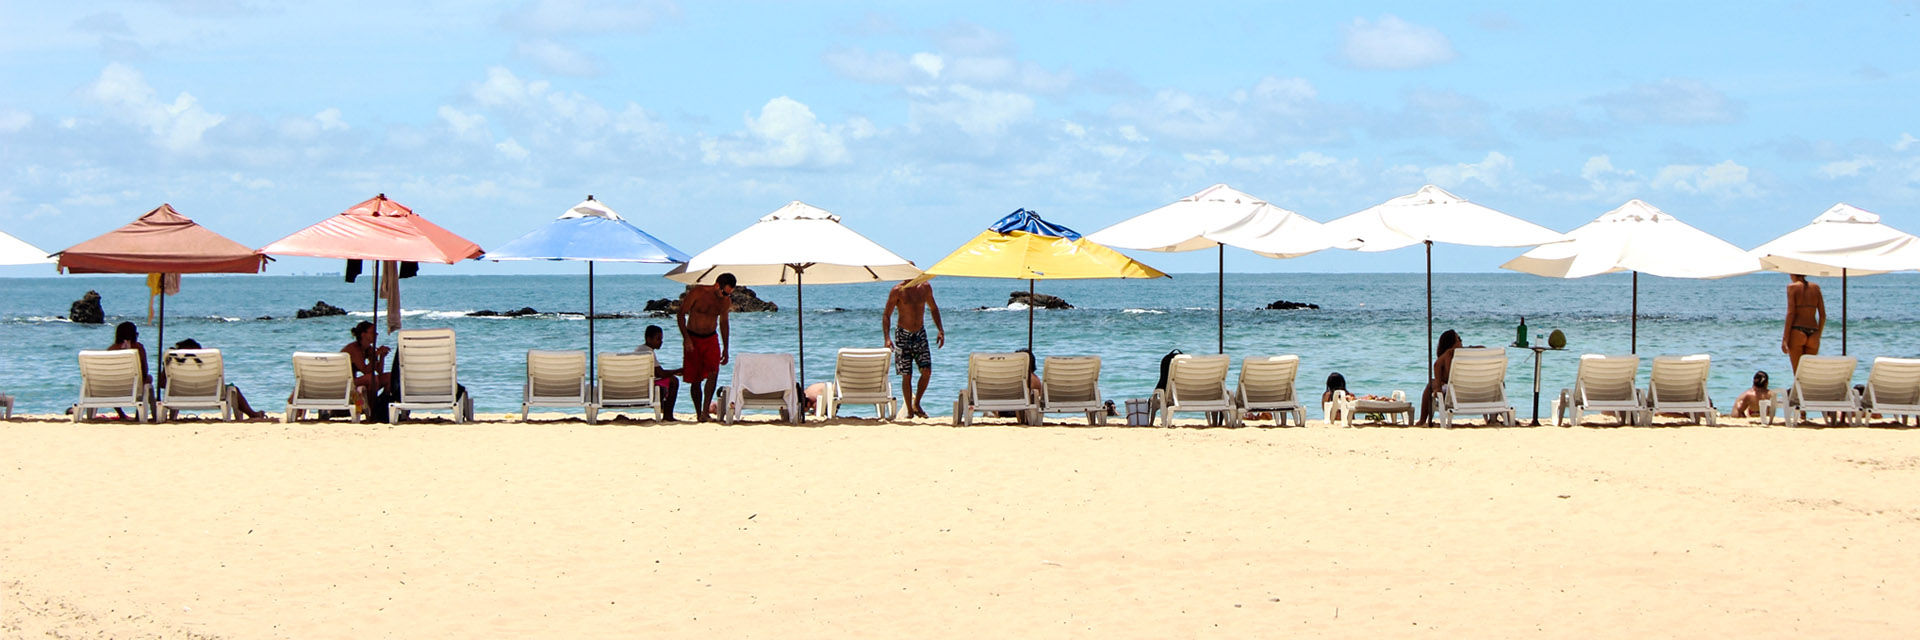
(909, 343)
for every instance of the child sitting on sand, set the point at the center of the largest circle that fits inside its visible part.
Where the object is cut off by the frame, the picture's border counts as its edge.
(1748, 404)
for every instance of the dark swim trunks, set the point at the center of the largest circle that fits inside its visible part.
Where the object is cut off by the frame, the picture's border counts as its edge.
(909, 349)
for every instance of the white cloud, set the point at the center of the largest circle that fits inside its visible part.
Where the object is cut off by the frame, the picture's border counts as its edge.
(1312, 159)
(979, 113)
(881, 67)
(1393, 44)
(969, 39)
(1724, 179)
(329, 119)
(463, 124)
(1274, 109)
(511, 149)
(928, 63)
(1677, 101)
(558, 58)
(1844, 168)
(176, 126)
(12, 120)
(503, 89)
(786, 134)
(1131, 133)
(1489, 171)
(1906, 141)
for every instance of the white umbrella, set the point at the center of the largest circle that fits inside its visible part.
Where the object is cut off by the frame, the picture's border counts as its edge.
(796, 243)
(15, 251)
(1432, 215)
(1844, 241)
(1636, 237)
(1214, 218)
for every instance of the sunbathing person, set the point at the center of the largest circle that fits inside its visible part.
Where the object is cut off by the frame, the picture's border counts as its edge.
(127, 336)
(1748, 404)
(238, 399)
(1442, 372)
(368, 361)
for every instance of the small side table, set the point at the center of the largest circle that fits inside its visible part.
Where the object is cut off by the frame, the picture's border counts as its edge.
(1536, 376)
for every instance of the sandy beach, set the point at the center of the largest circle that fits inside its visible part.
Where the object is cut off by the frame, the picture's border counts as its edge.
(855, 529)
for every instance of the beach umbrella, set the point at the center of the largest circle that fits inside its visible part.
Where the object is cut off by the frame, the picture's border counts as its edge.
(1844, 241)
(15, 251)
(1215, 218)
(796, 244)
(1432, 215)
(1640, 238)
(164, 242)
(380, 230)
(591, 232)
(1024, 246)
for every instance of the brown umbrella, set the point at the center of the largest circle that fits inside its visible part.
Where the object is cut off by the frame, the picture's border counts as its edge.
(162, 241)
(380, 230)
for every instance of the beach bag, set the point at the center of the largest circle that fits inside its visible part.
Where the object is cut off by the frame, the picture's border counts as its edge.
(1166, 365)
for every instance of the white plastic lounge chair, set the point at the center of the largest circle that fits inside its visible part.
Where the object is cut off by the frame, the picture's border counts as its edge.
(6, 407)
(1893, 389)
(1266, 384)
(1198, 383)
(1824, 384)
(429, 375)
(1071, 384)
(1346, 406)
(1678, 384)
(110, 379)
(555, 379)
(1476, 386)
(322, 382)
(1603, 384)
(196, 379)
(762, 381)
(996, 382)
(626, 382)
(860, 377)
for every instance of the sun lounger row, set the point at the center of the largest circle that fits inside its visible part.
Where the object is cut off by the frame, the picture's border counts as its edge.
(1678, 385)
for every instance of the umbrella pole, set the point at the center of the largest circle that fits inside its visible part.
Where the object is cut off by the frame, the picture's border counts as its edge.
(1633, 345)
(375, 280)
(800, 318)
(590, 372)
(1429, 310)
(1029, 318)
(1220, 298)
(160, 341)
(1843, 310)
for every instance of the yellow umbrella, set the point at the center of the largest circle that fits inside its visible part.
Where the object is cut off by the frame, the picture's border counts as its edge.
(1025, 247)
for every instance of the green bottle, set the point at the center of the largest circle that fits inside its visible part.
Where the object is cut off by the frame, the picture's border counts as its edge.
(1520, 334)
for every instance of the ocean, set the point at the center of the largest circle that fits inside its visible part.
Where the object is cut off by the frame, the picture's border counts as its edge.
(1369, 327)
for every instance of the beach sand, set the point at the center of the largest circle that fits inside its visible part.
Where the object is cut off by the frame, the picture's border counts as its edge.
(855, 529)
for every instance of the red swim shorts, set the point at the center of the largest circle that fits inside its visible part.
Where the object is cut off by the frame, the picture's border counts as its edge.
(701, 360)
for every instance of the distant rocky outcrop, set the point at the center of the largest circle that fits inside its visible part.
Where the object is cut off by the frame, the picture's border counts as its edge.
(1284, 305)
(87, 310)
(320, 310)
(1037, 300)
(516, 313)
(744, 300)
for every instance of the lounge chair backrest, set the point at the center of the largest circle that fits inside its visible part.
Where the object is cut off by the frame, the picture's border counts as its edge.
(862, 372)
(1894, 381)
(1268, 379)
(1607, 378)
(322, 376)
(1201, 378)
(1071, 378)
(194, 373)
(626, 376)
(1677, 379)
(110, 374)
(1825, 378)
(428, 365)
(998, 376)
(1478, 375)
(556, 374)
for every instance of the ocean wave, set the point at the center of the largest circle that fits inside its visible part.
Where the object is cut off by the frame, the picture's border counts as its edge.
(404, 313)
(57, 319)
(1152, 311)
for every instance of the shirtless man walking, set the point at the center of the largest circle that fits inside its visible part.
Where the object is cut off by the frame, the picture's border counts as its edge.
(1806, 319)
(909, 342)
(703, 312)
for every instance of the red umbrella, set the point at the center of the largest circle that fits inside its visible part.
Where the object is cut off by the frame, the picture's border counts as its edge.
(162, 241)
(381, 230)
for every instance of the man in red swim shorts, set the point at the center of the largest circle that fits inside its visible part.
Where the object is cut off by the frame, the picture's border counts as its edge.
(703, 313)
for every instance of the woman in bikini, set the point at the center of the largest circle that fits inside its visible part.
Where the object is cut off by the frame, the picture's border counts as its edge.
(1806, 319)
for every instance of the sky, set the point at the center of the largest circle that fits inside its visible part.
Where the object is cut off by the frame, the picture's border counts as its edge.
(921, 123)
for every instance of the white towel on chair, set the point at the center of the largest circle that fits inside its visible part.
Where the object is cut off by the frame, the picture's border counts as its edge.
(764, 373)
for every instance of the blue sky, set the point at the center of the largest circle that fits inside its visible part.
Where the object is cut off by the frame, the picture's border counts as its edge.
(920, 123)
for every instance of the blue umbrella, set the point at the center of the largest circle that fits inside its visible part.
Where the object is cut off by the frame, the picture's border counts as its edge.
(592, 232)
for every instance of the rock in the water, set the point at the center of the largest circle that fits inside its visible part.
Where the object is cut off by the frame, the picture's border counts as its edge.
(1037, 300)
(483, 313)
(87, 310)
(264, 318)
(744, 300)
(520, 312)
(320, 310)
(1284, 305)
